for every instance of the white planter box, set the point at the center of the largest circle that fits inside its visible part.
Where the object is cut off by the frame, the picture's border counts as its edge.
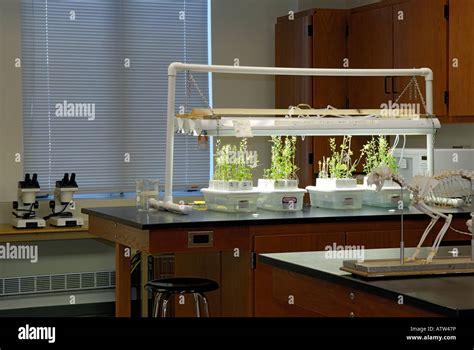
(336, 198)
(272, 185)
(332, 184)
(231, 201)
(386, 197)
(230, 185)
(280, 195)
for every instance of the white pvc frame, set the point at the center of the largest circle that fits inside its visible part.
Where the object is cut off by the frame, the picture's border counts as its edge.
(176, 67)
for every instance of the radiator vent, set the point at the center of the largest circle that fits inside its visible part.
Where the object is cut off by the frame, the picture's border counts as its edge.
(57, 283)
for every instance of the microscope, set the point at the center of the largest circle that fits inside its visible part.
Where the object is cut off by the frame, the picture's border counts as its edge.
(23, 208)
(63, 199)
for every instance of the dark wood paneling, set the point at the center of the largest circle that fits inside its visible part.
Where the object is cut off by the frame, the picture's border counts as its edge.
(461, 37)
(265, 304)
(329, 51)
(119, 233)
(123, 285)
(333, 300)
(236, 284)
(420, 40)
(203, 265)
(176, 240)
(370, 46)
(294, 48)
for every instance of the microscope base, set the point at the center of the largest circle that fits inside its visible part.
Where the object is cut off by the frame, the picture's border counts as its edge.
(66, 221)
(28, 223)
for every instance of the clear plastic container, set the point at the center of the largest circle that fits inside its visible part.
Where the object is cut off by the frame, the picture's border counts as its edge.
(279, 200)
(231, 201)
(336, 198)
(386, 198)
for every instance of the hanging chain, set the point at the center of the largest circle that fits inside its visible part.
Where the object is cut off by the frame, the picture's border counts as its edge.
(415, 89)
(190, 79)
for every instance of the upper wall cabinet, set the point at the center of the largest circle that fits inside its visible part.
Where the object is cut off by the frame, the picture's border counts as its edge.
(420, 40)
(461, 60)
(370, 46)
(403, 34)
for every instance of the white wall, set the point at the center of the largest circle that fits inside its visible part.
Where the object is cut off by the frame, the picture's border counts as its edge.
(245, 29)
(11, 115)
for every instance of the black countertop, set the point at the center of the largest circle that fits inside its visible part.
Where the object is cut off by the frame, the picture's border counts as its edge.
(451, 295)
(148, 220)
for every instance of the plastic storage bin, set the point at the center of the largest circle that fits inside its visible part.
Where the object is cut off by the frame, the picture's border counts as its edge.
(282, 200)
(336, 198)
(231, 201)
(386, 198)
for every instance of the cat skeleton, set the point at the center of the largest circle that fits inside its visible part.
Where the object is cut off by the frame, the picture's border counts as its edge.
(450, 189)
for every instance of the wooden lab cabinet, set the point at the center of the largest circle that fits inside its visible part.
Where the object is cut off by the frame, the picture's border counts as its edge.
(402, 34)
(264, 304)
(461, 60)
(387, 34)
(313, 38)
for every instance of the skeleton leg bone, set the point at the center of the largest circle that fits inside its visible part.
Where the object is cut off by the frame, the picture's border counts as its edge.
(442, 232)
(434, 219)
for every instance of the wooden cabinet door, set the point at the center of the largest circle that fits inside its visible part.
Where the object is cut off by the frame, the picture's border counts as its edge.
(329, 51)
(420, 40)
(265, 305)
(370, 46)
(294, 48)
(461, 60)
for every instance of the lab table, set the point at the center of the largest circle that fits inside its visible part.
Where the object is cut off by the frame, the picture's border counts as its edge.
(224, 246)
(319, 288)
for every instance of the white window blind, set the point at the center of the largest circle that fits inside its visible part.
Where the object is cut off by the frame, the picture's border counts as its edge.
(95, 90)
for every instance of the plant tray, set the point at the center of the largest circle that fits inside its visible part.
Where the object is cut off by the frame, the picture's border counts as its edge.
(336, 198)
(282, 200)
(387, 197)
(231, 201)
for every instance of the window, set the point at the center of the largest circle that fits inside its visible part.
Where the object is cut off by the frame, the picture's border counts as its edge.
(95, 90)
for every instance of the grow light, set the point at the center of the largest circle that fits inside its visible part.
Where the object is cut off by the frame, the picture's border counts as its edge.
(260, 125)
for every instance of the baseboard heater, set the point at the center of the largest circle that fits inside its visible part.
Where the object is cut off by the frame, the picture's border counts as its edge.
(76, 281)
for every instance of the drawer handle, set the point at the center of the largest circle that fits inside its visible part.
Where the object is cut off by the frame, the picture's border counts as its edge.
(351, 314)
(200, 239)
(352, 295)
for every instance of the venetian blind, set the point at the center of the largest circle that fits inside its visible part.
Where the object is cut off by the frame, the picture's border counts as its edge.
(95, 89)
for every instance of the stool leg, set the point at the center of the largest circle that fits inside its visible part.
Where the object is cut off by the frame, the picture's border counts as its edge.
(157, 306)
(197, 305)
(205, 303)
(166, 301)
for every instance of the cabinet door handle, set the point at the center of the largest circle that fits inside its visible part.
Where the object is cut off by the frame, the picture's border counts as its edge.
(393, 85)
(352, 295)
(386, 86)
(351, 314)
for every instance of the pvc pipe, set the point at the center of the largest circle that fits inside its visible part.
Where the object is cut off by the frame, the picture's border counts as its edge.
(176, 66)
(429, 111)
(170, 138)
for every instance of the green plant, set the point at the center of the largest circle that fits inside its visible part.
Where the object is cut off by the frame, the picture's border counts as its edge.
(339, 165)
(232, 162)
(283, 165)
(378, 152)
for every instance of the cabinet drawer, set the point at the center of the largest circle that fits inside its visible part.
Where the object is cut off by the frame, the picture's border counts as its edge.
(334, 300)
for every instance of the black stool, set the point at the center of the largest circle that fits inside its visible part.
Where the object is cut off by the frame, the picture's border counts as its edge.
(167, 287)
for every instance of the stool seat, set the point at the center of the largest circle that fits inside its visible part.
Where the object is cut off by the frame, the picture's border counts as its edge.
(182, 285)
